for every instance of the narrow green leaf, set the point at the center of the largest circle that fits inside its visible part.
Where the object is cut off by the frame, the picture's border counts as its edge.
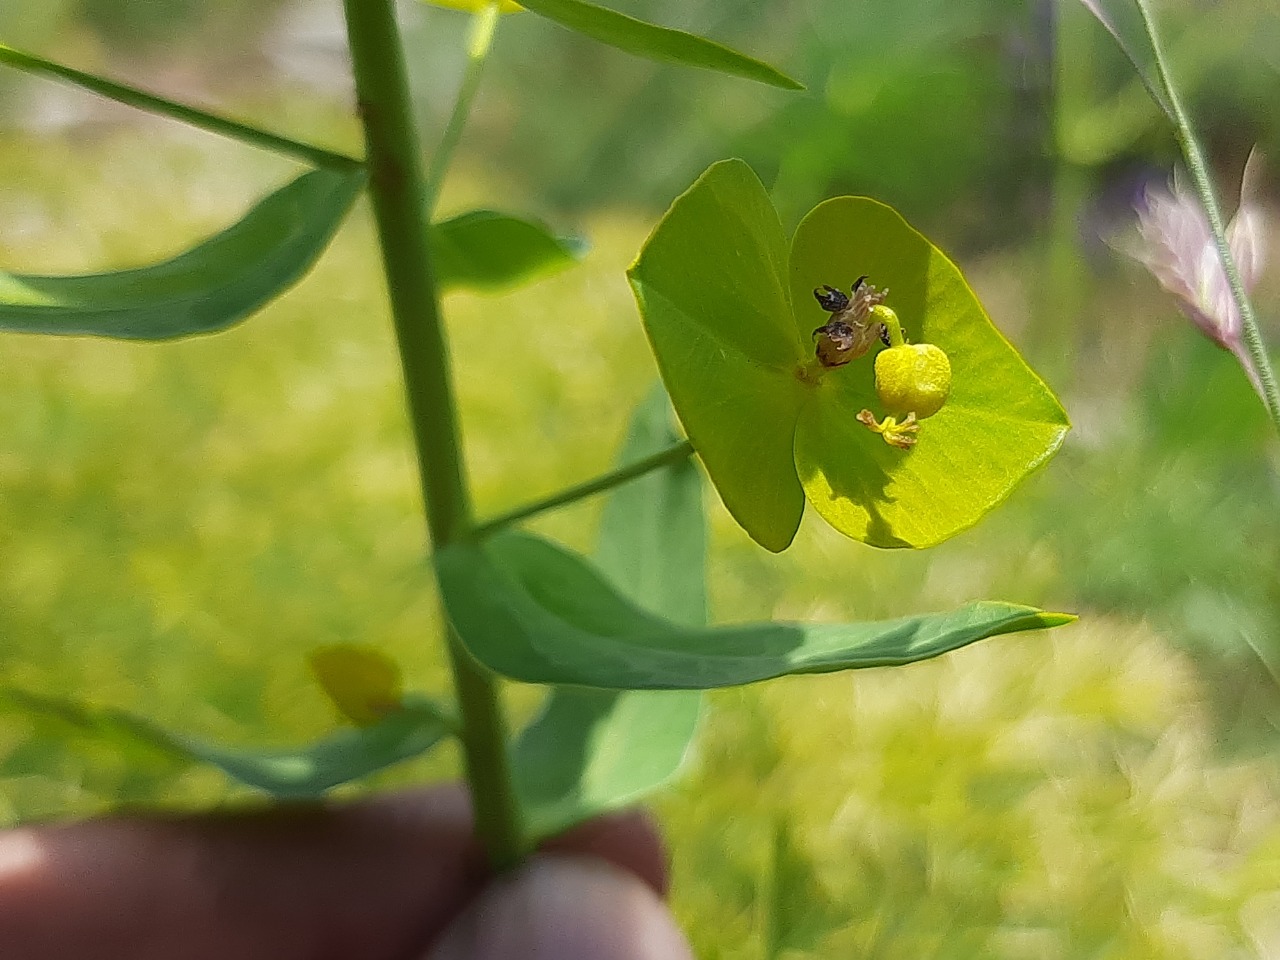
(595, 750)
(798, 908)
(1124, 22)
(653, 533)
(654, 42)
(298, 773)
(710, 283)
(590, 751)
(487, 250)
(206, 289)
(535, 612)
(141, 100)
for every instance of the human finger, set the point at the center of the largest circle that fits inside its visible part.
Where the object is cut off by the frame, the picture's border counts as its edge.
(629, 840)
(564, 907)
(366, 881)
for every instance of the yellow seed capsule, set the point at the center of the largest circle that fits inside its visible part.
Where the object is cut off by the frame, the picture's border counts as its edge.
(913, 378)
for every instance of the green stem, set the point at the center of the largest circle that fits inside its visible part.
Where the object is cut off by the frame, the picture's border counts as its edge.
(178, 111)
(1060, 295)
(614, 478)
(891, 323)
(398, 195)
(1194, 155)
(479, 43)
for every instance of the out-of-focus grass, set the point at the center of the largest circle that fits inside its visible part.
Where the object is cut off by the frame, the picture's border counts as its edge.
(181, 523)
(1055, 796)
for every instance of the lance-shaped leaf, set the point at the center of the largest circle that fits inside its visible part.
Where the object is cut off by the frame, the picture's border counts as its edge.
(654, 42)
(732, 331)
(206, 289)
(159, 106)
(653, 533)
(595, 750)
(535, 612)
(1124, 21)
(487, 250)
(292, 773)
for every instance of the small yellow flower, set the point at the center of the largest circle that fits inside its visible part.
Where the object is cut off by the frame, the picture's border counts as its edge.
(913, 381)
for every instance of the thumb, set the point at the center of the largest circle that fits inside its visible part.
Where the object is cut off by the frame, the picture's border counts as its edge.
(564, 908)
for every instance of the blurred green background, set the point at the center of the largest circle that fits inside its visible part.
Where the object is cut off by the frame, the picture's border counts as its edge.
(180, 524)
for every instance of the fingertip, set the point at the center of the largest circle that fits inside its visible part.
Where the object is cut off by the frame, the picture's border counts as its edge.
(561, 907)
(374, 878)
(629, 839)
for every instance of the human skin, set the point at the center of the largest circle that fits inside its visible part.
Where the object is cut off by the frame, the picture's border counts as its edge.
(398, 877)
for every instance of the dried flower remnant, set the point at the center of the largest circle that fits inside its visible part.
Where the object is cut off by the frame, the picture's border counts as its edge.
(1176, 244)
(852, 329)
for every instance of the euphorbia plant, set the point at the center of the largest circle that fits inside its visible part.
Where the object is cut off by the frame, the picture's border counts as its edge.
(852, 367)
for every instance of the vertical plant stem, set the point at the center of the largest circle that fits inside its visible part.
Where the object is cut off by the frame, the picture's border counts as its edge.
(479, 42)
(1060, 297)
(1208, 197)
(398, 194)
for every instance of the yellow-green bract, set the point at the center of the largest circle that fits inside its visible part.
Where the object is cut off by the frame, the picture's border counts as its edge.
(729, 311)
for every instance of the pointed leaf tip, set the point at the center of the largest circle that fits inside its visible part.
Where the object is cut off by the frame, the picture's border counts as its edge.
(656, 43)
(206, 289)
(490, 251)
(533, 611)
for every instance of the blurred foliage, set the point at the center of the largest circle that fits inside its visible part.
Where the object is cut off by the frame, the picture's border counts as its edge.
(953, 113)
(180, 525)
(1056, 797)
(1191, 540)
(148, 24)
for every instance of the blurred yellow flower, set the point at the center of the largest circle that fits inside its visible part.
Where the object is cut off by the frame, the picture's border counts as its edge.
(363, 684)
(475, 6)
